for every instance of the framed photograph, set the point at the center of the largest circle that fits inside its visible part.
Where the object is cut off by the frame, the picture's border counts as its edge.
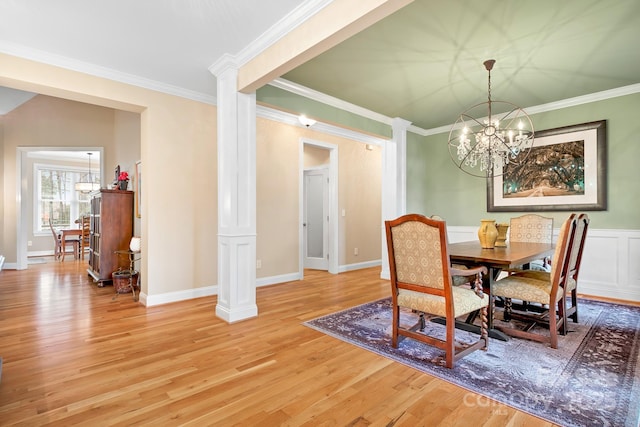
(566, 170)
(138, 188)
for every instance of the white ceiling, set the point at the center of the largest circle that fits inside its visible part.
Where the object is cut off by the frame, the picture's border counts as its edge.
(423, 63)
(168, 41)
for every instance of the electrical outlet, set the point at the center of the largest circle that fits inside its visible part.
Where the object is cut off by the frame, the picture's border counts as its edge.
(29, 243)
(259, 263)
(355, 251)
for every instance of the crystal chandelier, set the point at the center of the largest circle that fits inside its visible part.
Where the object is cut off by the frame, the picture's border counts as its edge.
(484, 146)
(87, 186)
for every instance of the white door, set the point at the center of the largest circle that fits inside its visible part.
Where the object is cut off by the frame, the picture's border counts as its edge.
(316, 219)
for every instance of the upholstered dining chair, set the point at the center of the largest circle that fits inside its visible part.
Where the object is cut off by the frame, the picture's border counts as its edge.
(551, 292)
(421, 281)
(573, 267)
(457, 280)
(532, 228)
(57, 238)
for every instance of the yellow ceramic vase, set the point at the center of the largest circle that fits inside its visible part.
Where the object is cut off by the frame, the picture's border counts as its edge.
(501, 241)
(487, 233)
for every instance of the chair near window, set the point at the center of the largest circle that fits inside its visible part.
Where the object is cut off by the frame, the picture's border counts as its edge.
(84, 237)
(421, 281)
(551, 292)
(57, 238)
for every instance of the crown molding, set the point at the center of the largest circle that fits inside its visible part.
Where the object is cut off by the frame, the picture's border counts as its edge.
(280, 29)
(330, 100)
(225, 63)
(585, 99)
(103, 72)
(292, 119)
(355, 109)
(565, 103)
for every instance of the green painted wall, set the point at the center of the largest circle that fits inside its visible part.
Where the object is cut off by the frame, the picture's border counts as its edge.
(297, 104)
(436, 186)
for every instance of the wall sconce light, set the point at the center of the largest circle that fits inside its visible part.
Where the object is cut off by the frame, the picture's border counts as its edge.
(306, 121)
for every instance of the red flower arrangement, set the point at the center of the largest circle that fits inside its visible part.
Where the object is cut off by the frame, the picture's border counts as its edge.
(124, 176)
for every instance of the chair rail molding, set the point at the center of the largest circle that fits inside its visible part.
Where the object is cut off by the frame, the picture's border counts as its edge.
(608, 269)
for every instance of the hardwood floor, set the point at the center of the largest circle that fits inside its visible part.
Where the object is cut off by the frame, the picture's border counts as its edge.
(73, 355)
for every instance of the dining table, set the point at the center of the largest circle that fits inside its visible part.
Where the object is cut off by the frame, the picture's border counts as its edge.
(69, 232)
(497, 259)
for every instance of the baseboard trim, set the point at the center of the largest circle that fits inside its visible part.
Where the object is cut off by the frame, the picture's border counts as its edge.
(274, 280)
(166, 298)
(359, 266)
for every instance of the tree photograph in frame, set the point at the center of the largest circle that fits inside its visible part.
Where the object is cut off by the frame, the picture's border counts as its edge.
(565, 170)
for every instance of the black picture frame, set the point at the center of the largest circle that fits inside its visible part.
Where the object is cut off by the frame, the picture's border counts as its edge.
(588, 194)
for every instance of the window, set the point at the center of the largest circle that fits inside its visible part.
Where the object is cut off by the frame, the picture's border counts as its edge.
(56, 197)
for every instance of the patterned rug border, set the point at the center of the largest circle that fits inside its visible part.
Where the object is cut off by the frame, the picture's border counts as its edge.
(538, 406)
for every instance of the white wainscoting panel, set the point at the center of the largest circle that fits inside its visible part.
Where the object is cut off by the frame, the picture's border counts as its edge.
(610, 265)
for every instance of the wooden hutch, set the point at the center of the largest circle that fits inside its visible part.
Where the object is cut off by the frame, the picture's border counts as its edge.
(111, 229)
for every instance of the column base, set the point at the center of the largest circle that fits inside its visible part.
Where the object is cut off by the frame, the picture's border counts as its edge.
(236, 314)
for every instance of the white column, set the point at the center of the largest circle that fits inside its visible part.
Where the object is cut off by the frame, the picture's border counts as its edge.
(236, 197)
(394, 182)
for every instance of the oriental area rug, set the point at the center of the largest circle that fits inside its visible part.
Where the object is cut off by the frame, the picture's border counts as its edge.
(592, 379)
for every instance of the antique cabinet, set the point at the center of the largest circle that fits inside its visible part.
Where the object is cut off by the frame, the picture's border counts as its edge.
(111, 229)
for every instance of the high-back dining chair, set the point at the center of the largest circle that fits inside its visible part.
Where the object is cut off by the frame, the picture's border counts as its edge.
(421, 281)
(84, 237)
(551, 291)
(57, 238)
(532, 228)
(573, 267)
(457, 280)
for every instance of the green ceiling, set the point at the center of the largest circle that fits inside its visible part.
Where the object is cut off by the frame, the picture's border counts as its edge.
(425, 62)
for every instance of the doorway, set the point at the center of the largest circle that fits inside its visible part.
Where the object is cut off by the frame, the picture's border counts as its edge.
(316, 219)
(25, 156)
(318, 210)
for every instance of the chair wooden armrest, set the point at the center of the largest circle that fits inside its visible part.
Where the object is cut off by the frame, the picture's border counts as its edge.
(468, 272)
(475, 284)
(422, 281)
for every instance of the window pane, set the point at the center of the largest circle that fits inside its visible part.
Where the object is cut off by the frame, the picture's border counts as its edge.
(58, 199)
(59, 212)
(84, 208)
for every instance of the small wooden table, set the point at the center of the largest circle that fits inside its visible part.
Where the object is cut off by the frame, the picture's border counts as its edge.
(63, 237)
(496, 260)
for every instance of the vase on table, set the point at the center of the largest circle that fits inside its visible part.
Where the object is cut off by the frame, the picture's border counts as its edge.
(501, 241)
(487, 233)
(122, 185)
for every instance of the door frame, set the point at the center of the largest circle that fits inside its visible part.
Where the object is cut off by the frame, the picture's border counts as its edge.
(22, 190)
(332, 226)
(320, 263)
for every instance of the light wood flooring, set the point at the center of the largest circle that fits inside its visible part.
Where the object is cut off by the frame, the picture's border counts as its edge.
(73, 355)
